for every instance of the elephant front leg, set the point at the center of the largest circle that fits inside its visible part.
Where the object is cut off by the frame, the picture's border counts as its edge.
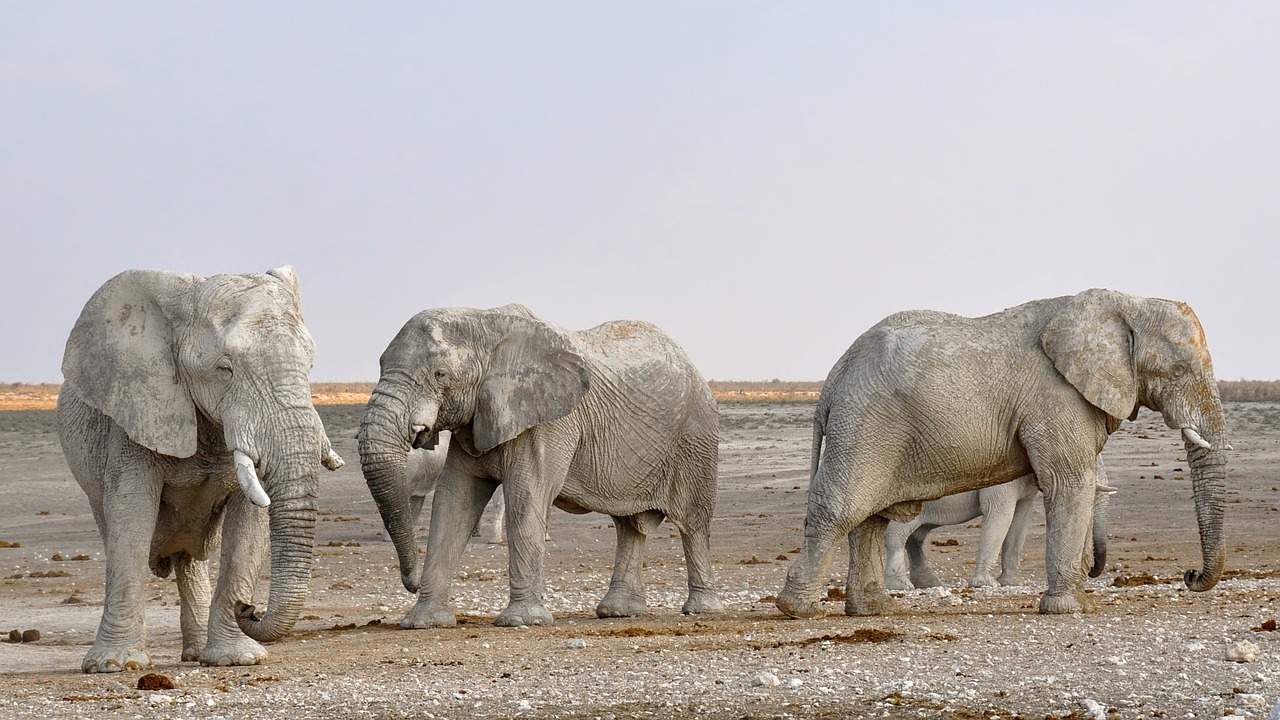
(920, 571)
(455, 510)
(526, 532)
(193, 602)
(997, 517)
(129, 515)
(244, 545)
(1068, 510)
(865, 593)
(626, 588)
(896, 574)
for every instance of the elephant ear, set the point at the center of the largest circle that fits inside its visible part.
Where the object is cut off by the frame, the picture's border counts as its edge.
(533, 375)
(121, 357)
(285, 274)
(1091, 344)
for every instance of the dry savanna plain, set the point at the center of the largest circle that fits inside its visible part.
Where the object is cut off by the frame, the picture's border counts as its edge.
(1151, 650)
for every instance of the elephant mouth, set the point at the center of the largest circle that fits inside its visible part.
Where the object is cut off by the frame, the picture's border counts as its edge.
(424, 438)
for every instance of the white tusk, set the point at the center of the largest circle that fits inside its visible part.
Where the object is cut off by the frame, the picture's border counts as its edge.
(1194, 438)
(1106, 489)
(331, 459)
(248, 477)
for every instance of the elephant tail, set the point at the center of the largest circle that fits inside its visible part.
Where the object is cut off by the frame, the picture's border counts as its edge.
(819, 433)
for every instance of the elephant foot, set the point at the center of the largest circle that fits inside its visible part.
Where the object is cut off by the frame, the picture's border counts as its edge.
(1066, 604)
(792, 605)
(527, 612)
(425, 615)
(619, 602)
(191, 653)
(702, 602)
(982, 580)
(924, 578)
(1009, 579)
(235, 651)
(871, 601)
(898, 582)
(115, 659)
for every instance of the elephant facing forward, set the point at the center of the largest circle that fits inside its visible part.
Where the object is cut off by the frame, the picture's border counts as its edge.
(186, 414)
(927, 404)
(1005, 511)
(614, 419)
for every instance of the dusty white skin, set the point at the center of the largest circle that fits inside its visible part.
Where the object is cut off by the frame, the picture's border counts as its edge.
(927, 404)
(186, 412)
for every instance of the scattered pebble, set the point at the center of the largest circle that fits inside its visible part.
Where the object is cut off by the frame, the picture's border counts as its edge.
(1251, 700)
(1242, 651)
(766, 679)
(524, 706)
(575, 643)
(1093, 710)
(795, 683)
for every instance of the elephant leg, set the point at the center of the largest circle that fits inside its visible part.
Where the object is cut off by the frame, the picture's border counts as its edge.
(1011, 550)
(865, 593)
(131, 504)
(703, 597)
(827, 520)
(626, 588)
(245, 539)
(193, 603)
(528, 501)
(998, 504)
(457, 506)
(921, 572)
(1068, 503)
(897, 576)
(495, 535)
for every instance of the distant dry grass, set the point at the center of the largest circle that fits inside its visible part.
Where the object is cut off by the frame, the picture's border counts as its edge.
(43, 396)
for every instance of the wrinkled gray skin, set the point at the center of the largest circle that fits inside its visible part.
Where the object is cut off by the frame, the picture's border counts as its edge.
(422, 470)
(927, 404)
(1006, 512)
(614, 419)
(166, 376)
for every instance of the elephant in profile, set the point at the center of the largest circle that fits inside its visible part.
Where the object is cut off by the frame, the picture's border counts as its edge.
(927, 404)
(186, 415)
(1005, 511)
(615, 419)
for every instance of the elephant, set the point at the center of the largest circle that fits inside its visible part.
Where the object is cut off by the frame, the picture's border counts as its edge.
(186, 417)
(926, 404)
(422, 470)
(1005, 511)
(615, 419)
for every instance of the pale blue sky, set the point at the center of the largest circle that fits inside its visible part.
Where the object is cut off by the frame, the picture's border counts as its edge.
(764, 180)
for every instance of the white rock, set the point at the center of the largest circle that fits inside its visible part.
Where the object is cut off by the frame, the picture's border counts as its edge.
(575, 643)
(158, 699)
(524, 706)
(766, 679)
(1093, 709)
(1250, 700)
(794, 683)
(1242, 651)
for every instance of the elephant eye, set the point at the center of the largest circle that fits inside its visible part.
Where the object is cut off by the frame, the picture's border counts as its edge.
(223, 366)
(1180, 369)
(441, 376)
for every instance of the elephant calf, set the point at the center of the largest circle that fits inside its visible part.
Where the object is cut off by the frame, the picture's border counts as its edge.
(615, 419)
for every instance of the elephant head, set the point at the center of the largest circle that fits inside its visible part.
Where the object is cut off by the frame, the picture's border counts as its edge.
(218, 367)
(485, 375)
(1122, 352)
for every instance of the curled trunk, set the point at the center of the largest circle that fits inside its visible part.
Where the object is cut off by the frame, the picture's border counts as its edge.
(384, 454)
(1101, 507)
(1208, 480)
(292, 485)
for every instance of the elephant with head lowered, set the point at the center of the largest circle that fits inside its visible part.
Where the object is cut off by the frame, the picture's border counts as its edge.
(926, 404)
(186, 417)
(615, 419)
(1005, 510)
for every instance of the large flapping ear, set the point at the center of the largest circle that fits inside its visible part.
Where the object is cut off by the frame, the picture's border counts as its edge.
(1091, 344)
(121, 357)
(533, 375)
(285, 274)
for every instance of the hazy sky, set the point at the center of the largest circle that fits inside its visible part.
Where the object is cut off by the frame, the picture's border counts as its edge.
(764, 180)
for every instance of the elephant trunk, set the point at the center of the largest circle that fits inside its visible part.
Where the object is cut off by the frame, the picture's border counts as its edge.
(384, 453)
(1208, 480)
(291, 482)
(1101, 506)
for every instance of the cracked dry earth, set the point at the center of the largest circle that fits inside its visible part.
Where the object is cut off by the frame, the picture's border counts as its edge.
(1152, 650)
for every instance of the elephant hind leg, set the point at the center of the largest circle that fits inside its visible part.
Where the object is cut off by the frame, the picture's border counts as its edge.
(865, 593)
(193, 603)
(921, 572)
(625, 597)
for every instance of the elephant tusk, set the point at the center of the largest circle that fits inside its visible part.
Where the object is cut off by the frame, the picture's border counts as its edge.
(331, 459)
(248, 477)
(1104, 488)
(1194, 438)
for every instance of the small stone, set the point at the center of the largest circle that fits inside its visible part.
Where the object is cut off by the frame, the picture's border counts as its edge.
(795, 683)
(1242, 651)
(1251, 700)
(159, 699)
(575, 643)
(1093, 710)
(524, 706)
(766, 679)
(155, 681)
(30, 636)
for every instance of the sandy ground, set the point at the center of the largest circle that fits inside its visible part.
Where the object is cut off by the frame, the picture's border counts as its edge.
(1152, 650)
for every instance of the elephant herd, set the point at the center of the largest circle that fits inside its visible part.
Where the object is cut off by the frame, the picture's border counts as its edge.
(186, 417)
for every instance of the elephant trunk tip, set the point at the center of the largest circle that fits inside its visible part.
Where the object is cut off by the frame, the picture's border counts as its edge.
(1199, 581)
(412, 580)
(258, 626)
